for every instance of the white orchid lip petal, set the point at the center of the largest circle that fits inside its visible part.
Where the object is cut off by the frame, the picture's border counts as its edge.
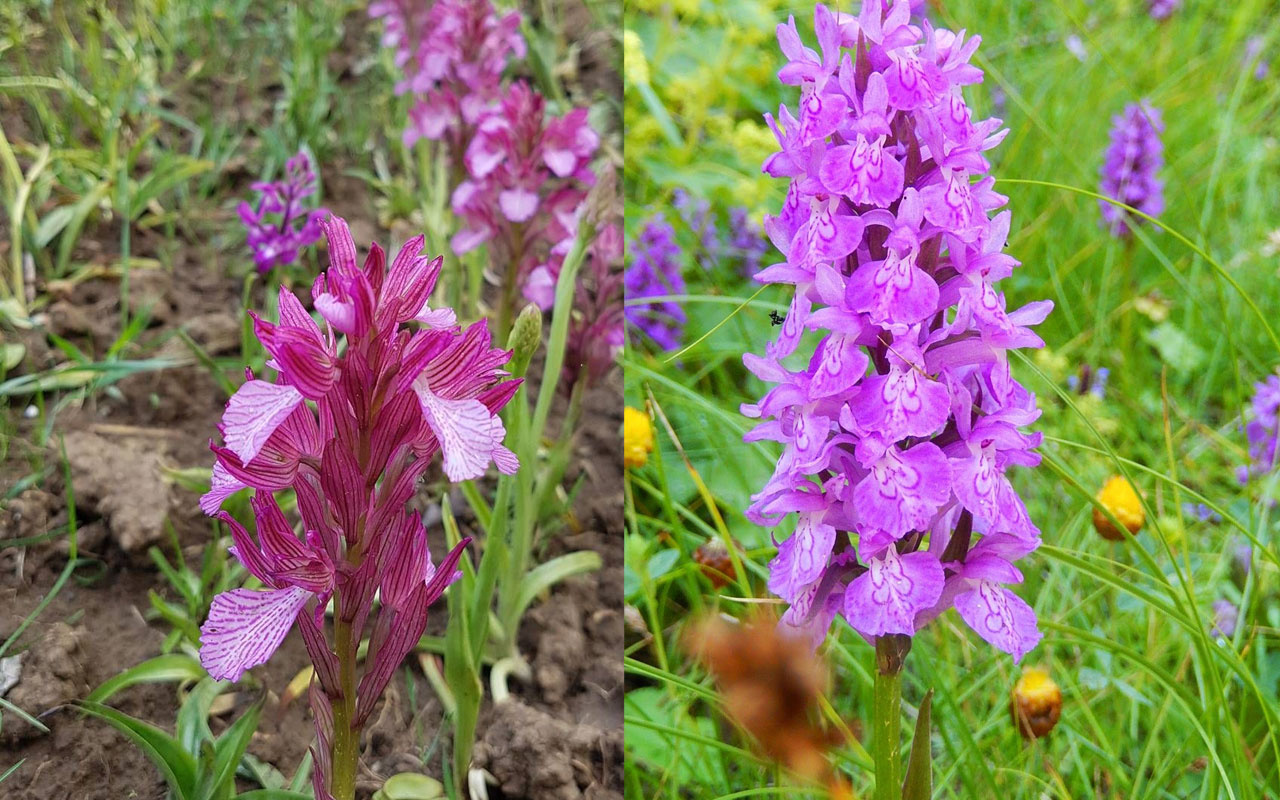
(245, 627)
(253, 414)
(437, 318)
(468, 433)
(221, 486)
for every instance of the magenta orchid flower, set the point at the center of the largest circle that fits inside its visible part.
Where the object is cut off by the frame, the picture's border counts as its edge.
(898, 435)
(350, 429)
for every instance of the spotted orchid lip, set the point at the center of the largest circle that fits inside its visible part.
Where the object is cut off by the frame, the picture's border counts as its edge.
(893, 242)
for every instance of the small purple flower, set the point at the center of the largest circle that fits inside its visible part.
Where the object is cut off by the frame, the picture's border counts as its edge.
(1091, 381)
(1130, 172)
(898, 435)
(696, 213)
(656, 271)
(1075, 46)
(1201, 512)
(1225, 614)
(1162, 9)
(277, 242)
(1252, 49)
(1263, 429)
(1242, 556)
(746, 240)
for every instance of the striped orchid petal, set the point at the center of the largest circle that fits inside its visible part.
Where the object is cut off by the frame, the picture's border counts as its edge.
(221, 486)
(470, 437)
(253, 413)
(245, 627)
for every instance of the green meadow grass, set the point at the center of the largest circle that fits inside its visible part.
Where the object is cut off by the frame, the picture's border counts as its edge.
(1186, 319)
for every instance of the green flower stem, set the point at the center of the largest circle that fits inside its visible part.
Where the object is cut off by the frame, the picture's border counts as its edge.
(345, 750)
(886, 743)
(510, 285)
(530, 434)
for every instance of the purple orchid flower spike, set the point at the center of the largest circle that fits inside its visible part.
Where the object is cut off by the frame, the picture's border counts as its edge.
(453, 53)
(350, 429)
(898, 436)
(656, 270)
(277, 242)
(519, 177)
(1263, 429)
(1130, 172)
(526, 185)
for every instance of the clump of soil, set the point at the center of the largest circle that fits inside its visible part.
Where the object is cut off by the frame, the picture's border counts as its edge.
(52, 673)
(119, 479)
(533, 754)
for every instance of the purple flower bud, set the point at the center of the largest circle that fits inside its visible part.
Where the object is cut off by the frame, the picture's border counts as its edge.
(898, 435)
(1201, 512)
(1224, 618)
(696, 213)
(1252, 49)
(1130, 172)
(746, 239)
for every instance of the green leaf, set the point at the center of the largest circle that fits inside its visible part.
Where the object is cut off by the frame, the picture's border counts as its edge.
(302, 775)
(660, 114)
(193, 718)
(273, 794)
(71, 231)
(662, 562)
(228, 751)
(172, 667)
(53, 224)
(175, 615)
(260, 772)
(168, 174)
(175, 763)
(11, 770)
(543, 576)
(918, 784)
(75, 376)
(11, 355)
(1175, 347)
(30, 720)
(193, 479)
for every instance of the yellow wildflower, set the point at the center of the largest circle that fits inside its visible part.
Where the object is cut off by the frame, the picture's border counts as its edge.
(637, 437)
(1036, 704)
(1119, 497)
(635, 66)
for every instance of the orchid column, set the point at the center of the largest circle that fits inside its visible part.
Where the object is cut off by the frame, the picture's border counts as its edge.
(350, 430)
(899, 421)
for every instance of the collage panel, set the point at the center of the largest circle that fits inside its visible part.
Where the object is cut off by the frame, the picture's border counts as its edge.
(951, 384)
(310, 474)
